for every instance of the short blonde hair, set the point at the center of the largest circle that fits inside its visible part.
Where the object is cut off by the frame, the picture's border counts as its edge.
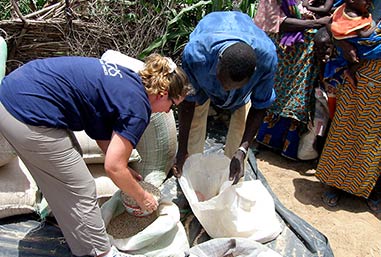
(160, 75)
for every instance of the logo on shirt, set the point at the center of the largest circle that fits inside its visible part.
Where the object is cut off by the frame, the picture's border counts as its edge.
(110, 69)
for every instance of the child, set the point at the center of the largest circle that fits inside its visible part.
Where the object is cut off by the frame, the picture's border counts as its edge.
(352, 22)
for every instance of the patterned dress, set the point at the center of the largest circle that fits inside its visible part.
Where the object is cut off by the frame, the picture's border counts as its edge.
(351, 159)
(294, 82)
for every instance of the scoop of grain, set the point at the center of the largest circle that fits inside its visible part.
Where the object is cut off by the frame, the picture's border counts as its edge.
(128, 200)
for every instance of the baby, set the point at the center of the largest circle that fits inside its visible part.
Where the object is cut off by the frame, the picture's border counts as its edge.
(352, 23)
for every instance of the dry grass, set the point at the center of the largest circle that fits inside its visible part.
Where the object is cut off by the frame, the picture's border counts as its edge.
(86, 28)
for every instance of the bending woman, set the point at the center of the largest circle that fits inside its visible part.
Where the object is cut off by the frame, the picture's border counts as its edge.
(43, 101)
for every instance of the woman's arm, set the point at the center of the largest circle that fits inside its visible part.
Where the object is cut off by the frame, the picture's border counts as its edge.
(295, 25)
(366, 33)
(116, 161)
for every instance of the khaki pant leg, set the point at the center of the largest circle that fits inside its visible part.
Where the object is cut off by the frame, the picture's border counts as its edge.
(197, 133)
(64, 180)
(236, 129)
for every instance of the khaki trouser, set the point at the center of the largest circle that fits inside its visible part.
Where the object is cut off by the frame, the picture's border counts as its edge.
(197, 134)
(64, 179)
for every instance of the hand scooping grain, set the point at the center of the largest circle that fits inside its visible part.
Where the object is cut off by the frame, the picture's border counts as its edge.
(132, 206)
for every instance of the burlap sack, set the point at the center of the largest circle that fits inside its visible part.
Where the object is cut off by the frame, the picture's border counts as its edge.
(18, 190)
(157, 148)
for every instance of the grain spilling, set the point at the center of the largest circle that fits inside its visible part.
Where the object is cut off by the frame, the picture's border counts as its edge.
(126, 225)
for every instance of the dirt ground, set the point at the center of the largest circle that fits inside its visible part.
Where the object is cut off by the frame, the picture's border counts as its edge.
(352, 230)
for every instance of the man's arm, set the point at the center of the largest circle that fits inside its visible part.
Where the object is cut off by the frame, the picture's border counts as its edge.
(253, 122)
(185, 117)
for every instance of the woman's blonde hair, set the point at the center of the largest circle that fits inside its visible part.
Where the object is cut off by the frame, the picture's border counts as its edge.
(160, 74)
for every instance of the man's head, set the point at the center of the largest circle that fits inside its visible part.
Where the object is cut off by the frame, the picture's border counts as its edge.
(236, 65)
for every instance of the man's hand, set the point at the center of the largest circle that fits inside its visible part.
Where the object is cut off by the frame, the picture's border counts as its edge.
(236, 166)
(135, 174)
(177, 168)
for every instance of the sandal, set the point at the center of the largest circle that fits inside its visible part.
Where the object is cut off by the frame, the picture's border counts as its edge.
(374, 205)
(331, 197)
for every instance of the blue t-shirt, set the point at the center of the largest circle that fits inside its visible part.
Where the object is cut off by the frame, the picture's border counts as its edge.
(212, 35)
(78, 93)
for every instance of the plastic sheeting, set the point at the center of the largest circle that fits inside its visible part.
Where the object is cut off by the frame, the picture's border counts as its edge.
(27, 236)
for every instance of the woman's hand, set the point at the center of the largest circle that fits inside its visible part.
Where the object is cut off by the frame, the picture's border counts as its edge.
(306, 3)
(324, 20)
(147, 202)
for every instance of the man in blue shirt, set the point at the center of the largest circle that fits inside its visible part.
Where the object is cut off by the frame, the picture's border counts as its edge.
(231, 63)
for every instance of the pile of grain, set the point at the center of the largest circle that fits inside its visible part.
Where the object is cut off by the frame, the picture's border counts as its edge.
(126, 225)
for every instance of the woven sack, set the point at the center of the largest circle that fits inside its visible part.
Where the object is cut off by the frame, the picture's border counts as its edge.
(164, 237)
(7, 153)
(157, 148)
(91, 152)
(18, 190)
(3, 57)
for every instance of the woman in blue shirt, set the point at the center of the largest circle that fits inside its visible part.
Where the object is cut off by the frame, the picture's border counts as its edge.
(44, 100)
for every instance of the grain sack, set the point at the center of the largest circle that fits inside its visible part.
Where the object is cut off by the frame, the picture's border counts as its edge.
(232, 247)
(246, 209)
(165, 236)
(90, 150)
(104, 185)
(157, 148)
(3, 57)
(18, 190)
(7, 153)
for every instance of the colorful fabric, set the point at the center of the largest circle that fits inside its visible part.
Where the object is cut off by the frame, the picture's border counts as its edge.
(294, 82)
(370, 47)
(269, 16)
(367, 48)
(351, 158)
(281, 134)
(290, 8)
(344, 27)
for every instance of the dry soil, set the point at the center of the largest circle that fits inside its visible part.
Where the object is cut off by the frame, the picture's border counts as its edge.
(352, 230)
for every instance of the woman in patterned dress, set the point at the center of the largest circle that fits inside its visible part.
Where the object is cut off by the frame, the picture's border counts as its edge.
(286, 23)
(351, 158)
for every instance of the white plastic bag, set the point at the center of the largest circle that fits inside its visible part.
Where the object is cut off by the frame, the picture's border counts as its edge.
(164, 237)
(242, 210)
